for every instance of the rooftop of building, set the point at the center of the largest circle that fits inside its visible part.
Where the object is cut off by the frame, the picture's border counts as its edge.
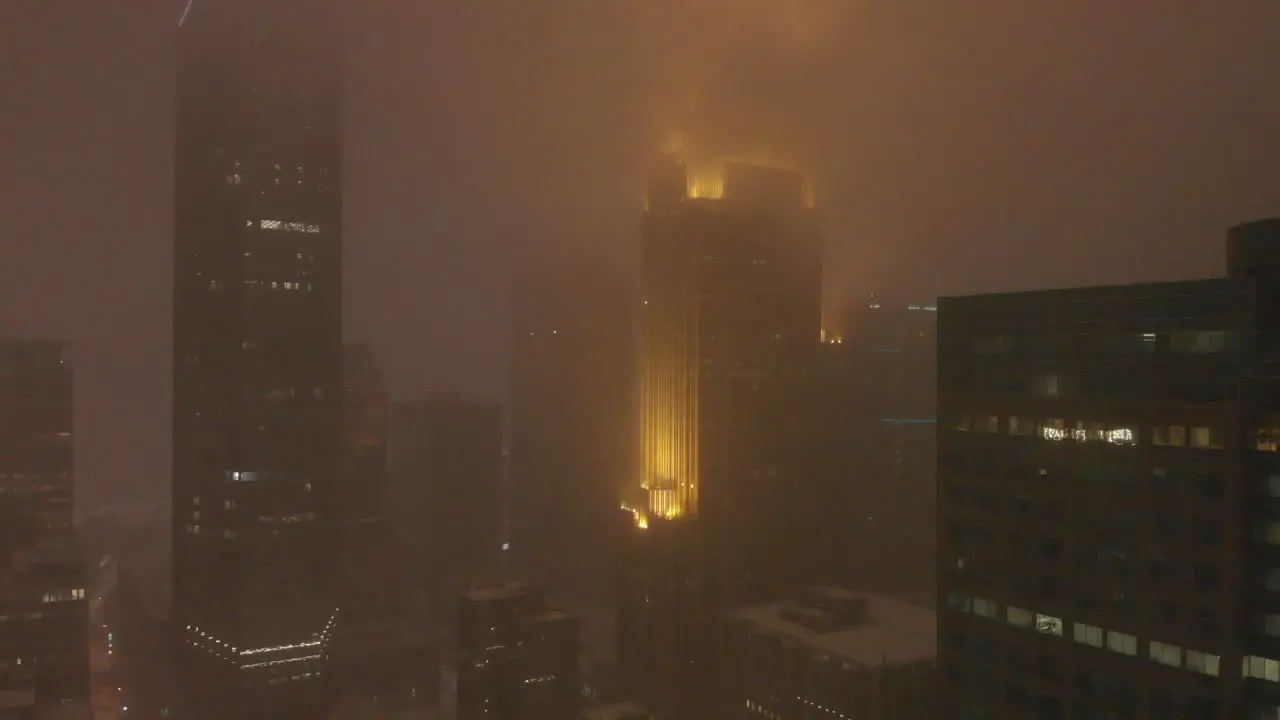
(615, 711)
(1250, 254)
(76, 710)
(496, 590)
(890, 631)
(546, 615)
(17, 699)
(381, 637)
(1152, 290)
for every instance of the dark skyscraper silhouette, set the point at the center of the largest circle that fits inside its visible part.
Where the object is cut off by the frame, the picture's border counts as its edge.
(572, 409)
(36, 468)
(257, 355)
(446, 493)
(877, 433)
(44, 651)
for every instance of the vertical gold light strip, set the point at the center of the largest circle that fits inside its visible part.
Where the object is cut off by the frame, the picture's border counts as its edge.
(670, 384)
(695, 368)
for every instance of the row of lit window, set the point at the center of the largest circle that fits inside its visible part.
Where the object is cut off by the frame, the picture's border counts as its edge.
(266, 285)
(1198, 437)
(286, 226)
(57, 596)
(194, 529)
(765, 711)
(277, 285)
(226, 505)
(277, 663)
(1091, 635)
(238, 164)
(196, 636)
(238, 179)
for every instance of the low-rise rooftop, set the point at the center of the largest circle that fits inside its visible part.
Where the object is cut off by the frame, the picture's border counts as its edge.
(546, 615)
(892, 632)
(383, 637)
(616, 711)
(496, 590)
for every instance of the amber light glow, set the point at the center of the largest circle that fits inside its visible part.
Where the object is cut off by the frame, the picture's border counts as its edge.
(639, 516)
(706, 178)
(669, 395)
(670, 422)
(670, 461)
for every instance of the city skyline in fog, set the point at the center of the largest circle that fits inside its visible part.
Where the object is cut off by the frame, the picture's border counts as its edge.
(995, 148)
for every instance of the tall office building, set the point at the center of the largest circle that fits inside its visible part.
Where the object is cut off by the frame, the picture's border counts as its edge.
(731, 317)
(879, 442)
(517, 655)
(382, 652)
(1107, 484)
(573, 409)
(44, 621)
(36, 468)
(257, 356)
(446, 495)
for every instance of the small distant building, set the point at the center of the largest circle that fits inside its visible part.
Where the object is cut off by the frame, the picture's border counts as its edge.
(445, 496)
(617, 711)
(395, 664)
(517, 655)
(831, 653)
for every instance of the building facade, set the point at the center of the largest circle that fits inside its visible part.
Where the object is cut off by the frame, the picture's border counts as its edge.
(257, 351)
(830, 653)
(1107, 527)
(517, 655)
(731, 328)
(362, 494)
(44, 622)
(879, 449)
(382, 653)
(45, 629)
(573, 407)
(36, 454)
(446, 495)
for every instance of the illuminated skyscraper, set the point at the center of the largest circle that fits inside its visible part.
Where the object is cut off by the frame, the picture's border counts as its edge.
(258, 420)
(731, 317)
(731, 324)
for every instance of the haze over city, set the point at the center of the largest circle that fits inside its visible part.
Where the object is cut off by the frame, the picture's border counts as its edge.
(994, 146)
